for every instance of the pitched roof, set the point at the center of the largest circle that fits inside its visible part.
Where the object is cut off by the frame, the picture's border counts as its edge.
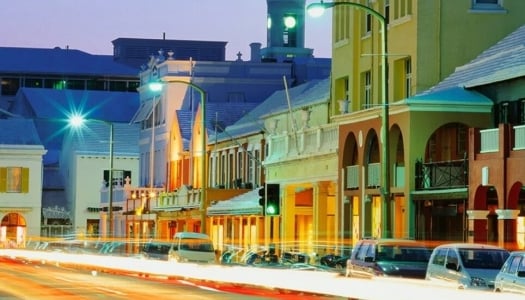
(218, 117)
(94, 139)
(503, 61)
(312, 92)
(18, 132)
(61, 62)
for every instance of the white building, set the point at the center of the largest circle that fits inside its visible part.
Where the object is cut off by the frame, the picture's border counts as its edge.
(21, 153)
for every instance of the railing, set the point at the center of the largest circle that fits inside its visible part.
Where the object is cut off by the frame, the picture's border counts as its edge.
(519, 137)
(489, 140)
(183, 198)
(352, 177)
(374, 175)
(312, 141)
(441, 175)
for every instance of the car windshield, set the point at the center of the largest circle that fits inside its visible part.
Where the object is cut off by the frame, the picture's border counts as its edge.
(483, 258)
(192, 244)
(402, 253)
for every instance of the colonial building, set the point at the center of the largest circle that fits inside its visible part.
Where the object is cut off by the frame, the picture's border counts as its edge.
(404, 164)
(175, 143)
(21, 156)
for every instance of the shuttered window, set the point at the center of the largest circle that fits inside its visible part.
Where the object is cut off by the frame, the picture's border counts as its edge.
(14, 180)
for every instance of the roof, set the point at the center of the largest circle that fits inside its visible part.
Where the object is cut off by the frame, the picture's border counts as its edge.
(243, 204)
(503, 61)
(51, 108)
(451, 98)
(310, 93)
(61, 62)
(94, 139)
(18, 132)
(218, 117)
(470, 246)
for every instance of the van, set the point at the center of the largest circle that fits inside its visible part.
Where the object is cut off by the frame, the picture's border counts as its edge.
(466, 265)
(192, 247)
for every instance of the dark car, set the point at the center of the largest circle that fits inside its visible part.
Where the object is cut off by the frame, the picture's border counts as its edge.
(389, 257)
(511, 277)
(156, 250)
(334, 261)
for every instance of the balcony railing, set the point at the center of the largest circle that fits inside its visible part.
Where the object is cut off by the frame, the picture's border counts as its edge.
(374, 175)
(183, 198)
(489, 140)
(519, 137)
(311, 141)
(441, 175)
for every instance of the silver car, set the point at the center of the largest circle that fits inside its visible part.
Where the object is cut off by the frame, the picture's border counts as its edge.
(466, 265)
(511, 277)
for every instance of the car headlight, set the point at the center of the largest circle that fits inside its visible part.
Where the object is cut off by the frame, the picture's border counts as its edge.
(478, 282)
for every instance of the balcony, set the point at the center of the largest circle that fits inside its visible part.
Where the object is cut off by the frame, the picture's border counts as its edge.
(309, 142)
(441, 175)
(489, 139)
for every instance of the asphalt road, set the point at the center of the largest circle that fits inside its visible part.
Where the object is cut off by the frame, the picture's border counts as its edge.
(20, 279)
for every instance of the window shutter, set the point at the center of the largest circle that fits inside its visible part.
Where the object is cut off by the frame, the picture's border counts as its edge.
(25, 180)
(3, 179)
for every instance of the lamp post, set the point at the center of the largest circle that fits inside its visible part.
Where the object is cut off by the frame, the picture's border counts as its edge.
(317, 9)
(77, 121)
(157, 86)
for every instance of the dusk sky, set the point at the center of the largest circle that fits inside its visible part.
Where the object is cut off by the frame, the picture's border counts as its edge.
(91, 25)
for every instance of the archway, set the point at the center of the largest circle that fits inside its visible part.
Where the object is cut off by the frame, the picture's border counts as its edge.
(13, 230)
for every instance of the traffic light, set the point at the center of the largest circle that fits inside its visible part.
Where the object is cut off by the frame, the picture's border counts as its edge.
(270, 200)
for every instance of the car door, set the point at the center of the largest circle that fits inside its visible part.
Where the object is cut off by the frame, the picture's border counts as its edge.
(518, 281)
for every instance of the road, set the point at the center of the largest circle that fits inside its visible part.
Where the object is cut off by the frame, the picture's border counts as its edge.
(21, 279)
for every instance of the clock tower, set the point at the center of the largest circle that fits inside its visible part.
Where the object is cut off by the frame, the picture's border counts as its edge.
(285, 31)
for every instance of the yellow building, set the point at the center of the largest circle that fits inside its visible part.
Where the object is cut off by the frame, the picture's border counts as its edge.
(425, 42)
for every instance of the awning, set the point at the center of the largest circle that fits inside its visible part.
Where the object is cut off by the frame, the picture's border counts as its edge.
(244, 204)
(144, 112)
(446, 194)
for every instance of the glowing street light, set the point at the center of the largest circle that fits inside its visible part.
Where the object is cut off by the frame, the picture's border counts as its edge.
(78, 121)
(157, 86)
(316, 10)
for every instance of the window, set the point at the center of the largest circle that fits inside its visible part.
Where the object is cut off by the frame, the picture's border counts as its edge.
(14, 180)
(487, 5)
(10, 86)
(33, 82)
(119, 177)
(387, 11)
(367, 89)
(408, 77)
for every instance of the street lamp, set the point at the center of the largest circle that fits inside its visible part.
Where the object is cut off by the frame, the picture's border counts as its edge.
(78, 121)
(317, 9)
(157, 86)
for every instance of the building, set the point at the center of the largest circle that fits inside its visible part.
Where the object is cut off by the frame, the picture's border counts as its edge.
(231, 90)
(416, 178)
(21, 156)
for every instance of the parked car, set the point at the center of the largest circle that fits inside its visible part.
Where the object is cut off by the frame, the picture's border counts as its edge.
(389, 257)
(156, 250)
(334, 261)
(511, 277)
(466, 265)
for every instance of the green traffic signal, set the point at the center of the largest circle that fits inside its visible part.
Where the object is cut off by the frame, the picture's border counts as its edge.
(271, 210)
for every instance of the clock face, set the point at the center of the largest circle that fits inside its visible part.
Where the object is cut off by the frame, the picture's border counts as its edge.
(269, 23)
(290, 22)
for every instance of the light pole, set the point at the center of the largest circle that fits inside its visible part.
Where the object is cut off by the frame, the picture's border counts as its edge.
(316, 9)
(157, 86)
(77, 121)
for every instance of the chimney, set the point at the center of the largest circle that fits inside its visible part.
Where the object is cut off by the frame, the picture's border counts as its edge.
(255, 52)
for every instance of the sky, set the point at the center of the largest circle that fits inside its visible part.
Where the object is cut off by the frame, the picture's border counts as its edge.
(91, 25)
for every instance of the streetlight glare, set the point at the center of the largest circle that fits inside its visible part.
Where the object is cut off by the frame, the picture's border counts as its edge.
(317, 9)
(76, 120)
(155, 86)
